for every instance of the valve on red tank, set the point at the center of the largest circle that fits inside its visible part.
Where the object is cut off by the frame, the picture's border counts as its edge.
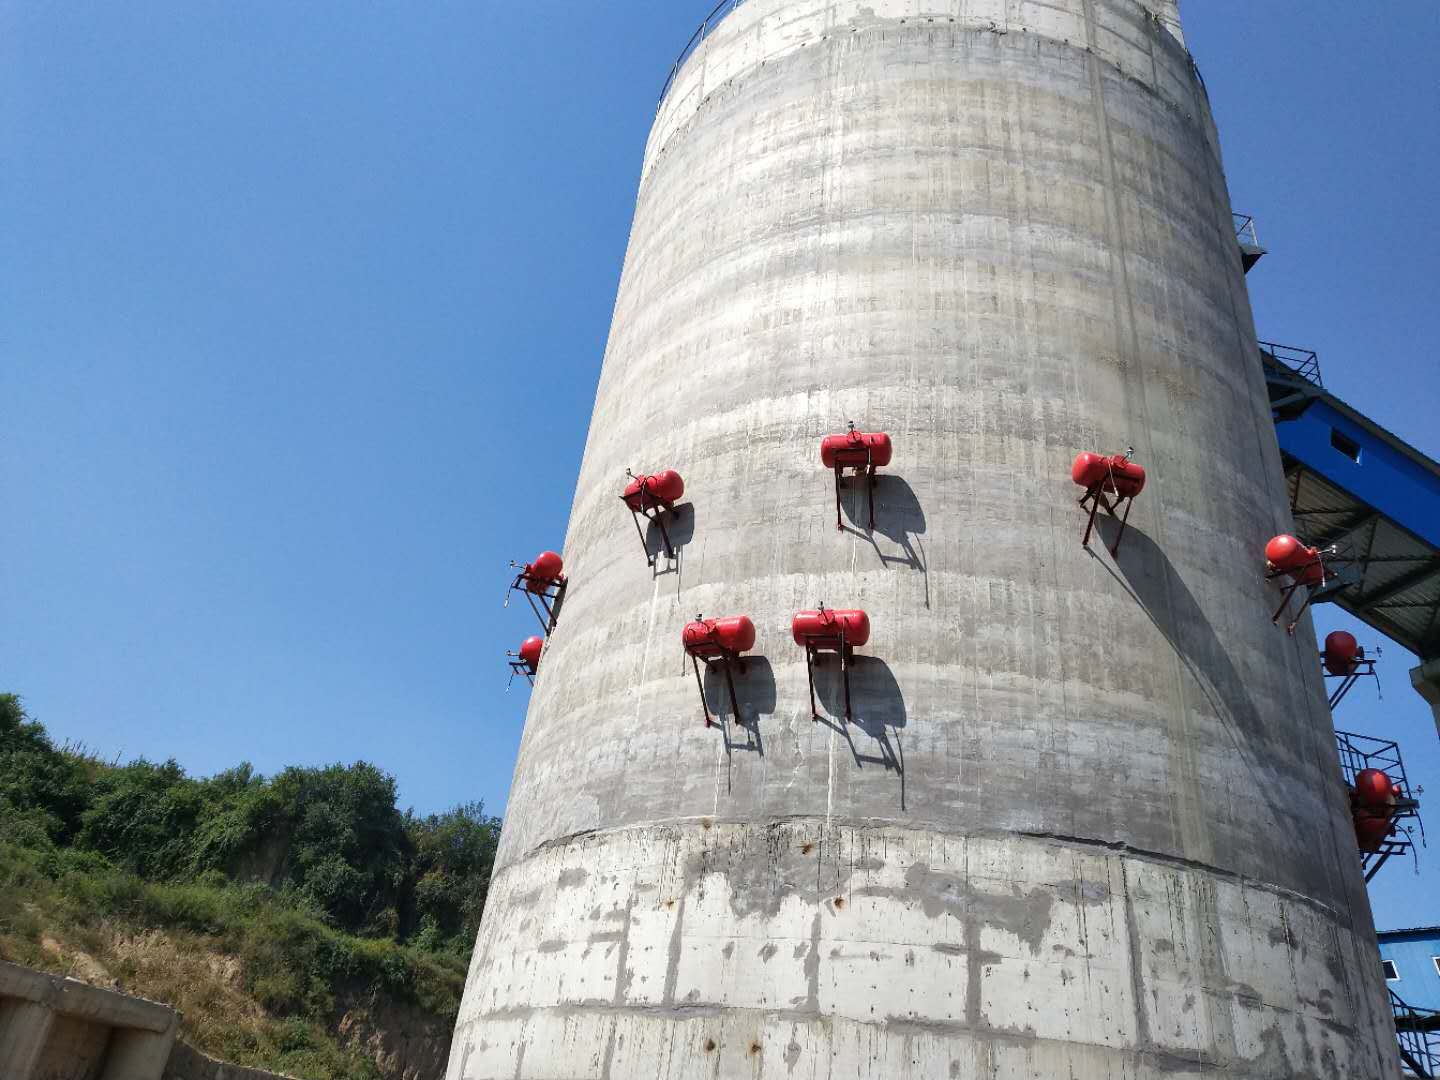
(527, 661)
(542, 582)
(718, 642)
(1288, 557)
(1108, 481)
(651, 497)
(862, 452)
(827, 630)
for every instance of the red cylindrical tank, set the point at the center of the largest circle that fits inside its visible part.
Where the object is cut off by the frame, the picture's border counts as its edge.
(1342, 653)
(1371, 832)
(530, 651)
(735, 633)
(852, 444)
(1129, 478)
(823, 627)
(1284, 552)
(544, 571)
(1089, 469)
(1301, 562)
(648, 492)
(1374, 789)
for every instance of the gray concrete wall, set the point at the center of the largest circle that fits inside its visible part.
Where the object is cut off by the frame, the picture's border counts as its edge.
(1087, 822)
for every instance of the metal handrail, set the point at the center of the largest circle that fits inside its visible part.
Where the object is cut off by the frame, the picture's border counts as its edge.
(1359, 752)
(1417, 1036)
(723, 8)
(1303, 362)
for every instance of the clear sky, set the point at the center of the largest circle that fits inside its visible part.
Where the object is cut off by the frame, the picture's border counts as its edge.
(302, 308)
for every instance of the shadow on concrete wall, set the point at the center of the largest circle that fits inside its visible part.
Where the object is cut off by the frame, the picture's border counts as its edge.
(755, 690)
(1146, 572)
(899, 518)
(877, 712)
(681, 527)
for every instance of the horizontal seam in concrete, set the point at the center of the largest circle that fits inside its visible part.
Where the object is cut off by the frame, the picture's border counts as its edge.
(1118, 847)
(899, 1024)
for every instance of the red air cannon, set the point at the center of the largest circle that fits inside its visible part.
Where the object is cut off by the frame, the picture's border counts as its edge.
(861, 451)
(1287, 557)
(720, 642)
(1381, 799)
(1372, 803)
(542, 583)
(829, 631)
(650, 497)
(1345, 659)
(1108, 481)
(527, 661)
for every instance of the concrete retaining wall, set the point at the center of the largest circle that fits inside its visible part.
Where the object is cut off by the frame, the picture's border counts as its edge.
(53, 1028)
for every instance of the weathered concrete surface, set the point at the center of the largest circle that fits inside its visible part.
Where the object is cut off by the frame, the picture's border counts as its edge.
(1087, 822)
(24, 1031)
(799, 949)
(61, 1029)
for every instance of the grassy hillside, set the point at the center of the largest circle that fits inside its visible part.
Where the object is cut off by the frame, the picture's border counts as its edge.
(300, 923)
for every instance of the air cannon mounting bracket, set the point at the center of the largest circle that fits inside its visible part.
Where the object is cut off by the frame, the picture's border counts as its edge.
(544, 594)
(1106, 491)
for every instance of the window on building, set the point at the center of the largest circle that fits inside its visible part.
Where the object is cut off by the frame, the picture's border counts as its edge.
(1391, 975)
(1346, 445)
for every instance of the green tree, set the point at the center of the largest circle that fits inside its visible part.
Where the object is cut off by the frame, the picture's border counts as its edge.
(331, 837)
(244, 829)
(349, 853)
(49, 785)
(143, 816)
(454, 856)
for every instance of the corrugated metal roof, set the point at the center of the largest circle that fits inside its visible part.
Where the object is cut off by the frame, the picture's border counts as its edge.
(1390, 578)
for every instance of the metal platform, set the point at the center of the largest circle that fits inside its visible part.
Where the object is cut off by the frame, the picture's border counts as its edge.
(1250, 250)
(1417, 1031)
(1361, 752)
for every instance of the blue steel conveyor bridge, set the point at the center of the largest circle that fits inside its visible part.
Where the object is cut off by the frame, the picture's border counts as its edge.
(1362, 491)
(1372, 497)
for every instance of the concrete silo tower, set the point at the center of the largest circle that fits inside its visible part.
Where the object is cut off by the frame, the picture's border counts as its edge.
(1084, 819)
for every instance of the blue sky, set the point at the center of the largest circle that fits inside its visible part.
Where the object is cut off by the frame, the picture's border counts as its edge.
(302, 307)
